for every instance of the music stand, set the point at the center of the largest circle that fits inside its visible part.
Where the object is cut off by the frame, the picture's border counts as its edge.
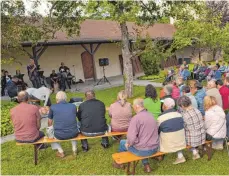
(41, 78)
(104, 78)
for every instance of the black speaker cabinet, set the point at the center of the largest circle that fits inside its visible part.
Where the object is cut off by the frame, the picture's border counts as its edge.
(103, 62)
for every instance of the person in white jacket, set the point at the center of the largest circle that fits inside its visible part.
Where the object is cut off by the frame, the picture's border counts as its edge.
(41, 93)
(215, 122)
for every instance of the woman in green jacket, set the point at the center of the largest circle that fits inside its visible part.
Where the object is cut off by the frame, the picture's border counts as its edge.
(152, 102)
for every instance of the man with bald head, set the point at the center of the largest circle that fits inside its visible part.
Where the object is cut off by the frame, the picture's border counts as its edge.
(26, 120)
(142, 135)
(91, 115)
(214, 92)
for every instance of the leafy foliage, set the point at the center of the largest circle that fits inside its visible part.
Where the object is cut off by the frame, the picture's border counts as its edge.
(6, 125)
(154, 52)
(18, 28)
(203, 33)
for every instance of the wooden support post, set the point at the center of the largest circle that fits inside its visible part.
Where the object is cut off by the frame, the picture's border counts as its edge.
(37, 52)
(134, 166)
(97, 47)
(93, 59)
(209, 150)
(86, 48)
(41, 51)
(35, 55)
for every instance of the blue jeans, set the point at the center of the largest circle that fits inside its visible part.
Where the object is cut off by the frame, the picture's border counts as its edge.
(84, 142)
(137, 152)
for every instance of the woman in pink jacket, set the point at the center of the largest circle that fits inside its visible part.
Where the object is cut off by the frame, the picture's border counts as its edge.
(120, 113)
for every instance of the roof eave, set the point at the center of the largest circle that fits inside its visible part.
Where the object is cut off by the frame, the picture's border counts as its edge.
(78, 42)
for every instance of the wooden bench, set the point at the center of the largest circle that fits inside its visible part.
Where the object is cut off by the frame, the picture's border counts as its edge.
(46, 140)
(129, 158)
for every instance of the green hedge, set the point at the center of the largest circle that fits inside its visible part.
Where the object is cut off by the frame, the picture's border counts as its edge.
(6, 125)
(161, 75)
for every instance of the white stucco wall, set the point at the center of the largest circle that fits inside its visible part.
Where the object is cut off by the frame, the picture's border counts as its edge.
(112, 52)
(187, 52)
(71, 55)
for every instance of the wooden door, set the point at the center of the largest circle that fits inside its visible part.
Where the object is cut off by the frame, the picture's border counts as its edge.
(169, 62)
(137, 68)
(137, 65)
(87, 62)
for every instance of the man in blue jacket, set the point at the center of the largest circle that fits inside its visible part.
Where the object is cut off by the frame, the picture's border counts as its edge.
(185, 73)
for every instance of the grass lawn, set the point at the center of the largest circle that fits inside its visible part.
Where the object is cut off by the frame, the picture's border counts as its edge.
(19, 159)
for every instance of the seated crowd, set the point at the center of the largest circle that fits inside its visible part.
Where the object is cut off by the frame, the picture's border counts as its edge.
(203, 71)
(183, 115)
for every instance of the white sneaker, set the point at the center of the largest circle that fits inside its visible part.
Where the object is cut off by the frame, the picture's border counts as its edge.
(179, 160)
(218, 147)
(74, 153)
(196, 156)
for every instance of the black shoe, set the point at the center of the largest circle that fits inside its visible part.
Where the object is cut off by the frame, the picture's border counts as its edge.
(85, 149)
(105, 145)
(43, 147)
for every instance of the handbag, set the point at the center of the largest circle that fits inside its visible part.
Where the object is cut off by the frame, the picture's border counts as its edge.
(210, 137)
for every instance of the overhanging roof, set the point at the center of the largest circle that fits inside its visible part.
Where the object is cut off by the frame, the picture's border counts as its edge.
(106, 31)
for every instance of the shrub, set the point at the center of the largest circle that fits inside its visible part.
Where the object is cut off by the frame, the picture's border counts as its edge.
(6, 124)
(161, 75)
(150, 67)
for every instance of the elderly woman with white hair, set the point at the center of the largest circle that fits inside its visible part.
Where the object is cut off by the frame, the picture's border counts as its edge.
(62, 116)
(171, 130)
(168, 89)
(215, 122)
(214, 92)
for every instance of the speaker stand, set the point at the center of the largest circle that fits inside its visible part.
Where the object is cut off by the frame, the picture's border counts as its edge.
(104, 78)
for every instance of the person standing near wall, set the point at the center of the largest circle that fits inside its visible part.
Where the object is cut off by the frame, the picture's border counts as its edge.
(33, 74)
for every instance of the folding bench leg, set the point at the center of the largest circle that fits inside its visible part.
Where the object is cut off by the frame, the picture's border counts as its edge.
(209, 151)
(202, 150)
(36, 153)
(133, 168)
(135, 163)
(128, 169)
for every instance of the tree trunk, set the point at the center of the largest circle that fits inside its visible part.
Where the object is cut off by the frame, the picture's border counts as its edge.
(127, 64)
(199, 54)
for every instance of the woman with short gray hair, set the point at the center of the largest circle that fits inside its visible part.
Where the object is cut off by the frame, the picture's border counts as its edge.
(193, 125)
